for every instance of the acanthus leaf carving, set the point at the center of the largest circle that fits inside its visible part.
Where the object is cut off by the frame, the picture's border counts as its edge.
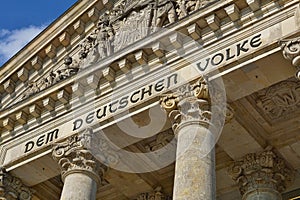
(291, 51)
(261, 170)
(188, 102)
(13, 188)
(74, 155)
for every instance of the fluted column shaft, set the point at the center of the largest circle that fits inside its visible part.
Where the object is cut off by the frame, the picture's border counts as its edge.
(189, 111)
(80, 171)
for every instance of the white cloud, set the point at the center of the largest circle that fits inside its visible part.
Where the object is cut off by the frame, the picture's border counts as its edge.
(11, 41)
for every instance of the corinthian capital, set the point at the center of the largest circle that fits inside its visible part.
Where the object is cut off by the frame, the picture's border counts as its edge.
(188, 102)
(73, 156)
(291, 51)
(264, 170)
(199, 90)
(12, 188)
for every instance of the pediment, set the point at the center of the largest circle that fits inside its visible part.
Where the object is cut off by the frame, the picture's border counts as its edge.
(125, 23)
(115, 34)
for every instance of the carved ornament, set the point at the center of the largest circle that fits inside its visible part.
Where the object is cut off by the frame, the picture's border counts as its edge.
(291, 51)
(157, 194)
(12, 188)
(161, 140)
(188, 103)
(70, 68)
(127, 22)
(279, 100)
(261, 171)
(73, 156)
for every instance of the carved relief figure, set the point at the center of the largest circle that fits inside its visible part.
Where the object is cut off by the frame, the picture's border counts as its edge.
(133, 23)
(104, 37)
(88, 53)
(32, 89)
(71, 67)
(185, 7)
(127, 22)
(165, 10)
(45, 82)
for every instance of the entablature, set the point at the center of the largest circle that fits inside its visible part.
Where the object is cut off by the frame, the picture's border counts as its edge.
(202, 26)
(155, 55)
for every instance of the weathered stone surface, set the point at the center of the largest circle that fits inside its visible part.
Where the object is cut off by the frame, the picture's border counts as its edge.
(291, 51)
(189, 110)
(195, 167)
(80, 171)
(79, 186)
(261, 175)
(12, 188)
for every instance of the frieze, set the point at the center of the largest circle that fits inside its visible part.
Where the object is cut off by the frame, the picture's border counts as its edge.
(131, 20)
(70, 68)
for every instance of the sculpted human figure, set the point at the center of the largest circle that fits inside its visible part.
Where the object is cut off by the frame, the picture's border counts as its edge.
(54, 76)
(105, 36)
(44, 83)
(186, 7)
(32, 89)
(71, 67)
(86, 46)
(88, 53)
(165, 10)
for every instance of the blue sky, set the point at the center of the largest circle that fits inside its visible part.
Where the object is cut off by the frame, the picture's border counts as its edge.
(21, 21)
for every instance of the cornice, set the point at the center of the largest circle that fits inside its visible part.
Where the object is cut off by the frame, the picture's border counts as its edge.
(51, 34)
(209, 38)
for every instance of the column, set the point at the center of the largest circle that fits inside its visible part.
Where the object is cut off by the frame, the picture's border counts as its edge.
(189, 111)
(12, 188)
(80, 171)
(261, 176)
(291, 51)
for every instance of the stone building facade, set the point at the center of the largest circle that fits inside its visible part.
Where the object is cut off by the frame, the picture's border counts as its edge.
(155, 100)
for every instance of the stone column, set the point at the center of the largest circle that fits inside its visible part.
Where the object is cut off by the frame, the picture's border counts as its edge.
(261, 176)
(291, 51)
(12, 188)
(189, 111)
(80, 171)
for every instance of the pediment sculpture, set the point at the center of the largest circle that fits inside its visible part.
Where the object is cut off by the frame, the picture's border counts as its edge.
(127, 22)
